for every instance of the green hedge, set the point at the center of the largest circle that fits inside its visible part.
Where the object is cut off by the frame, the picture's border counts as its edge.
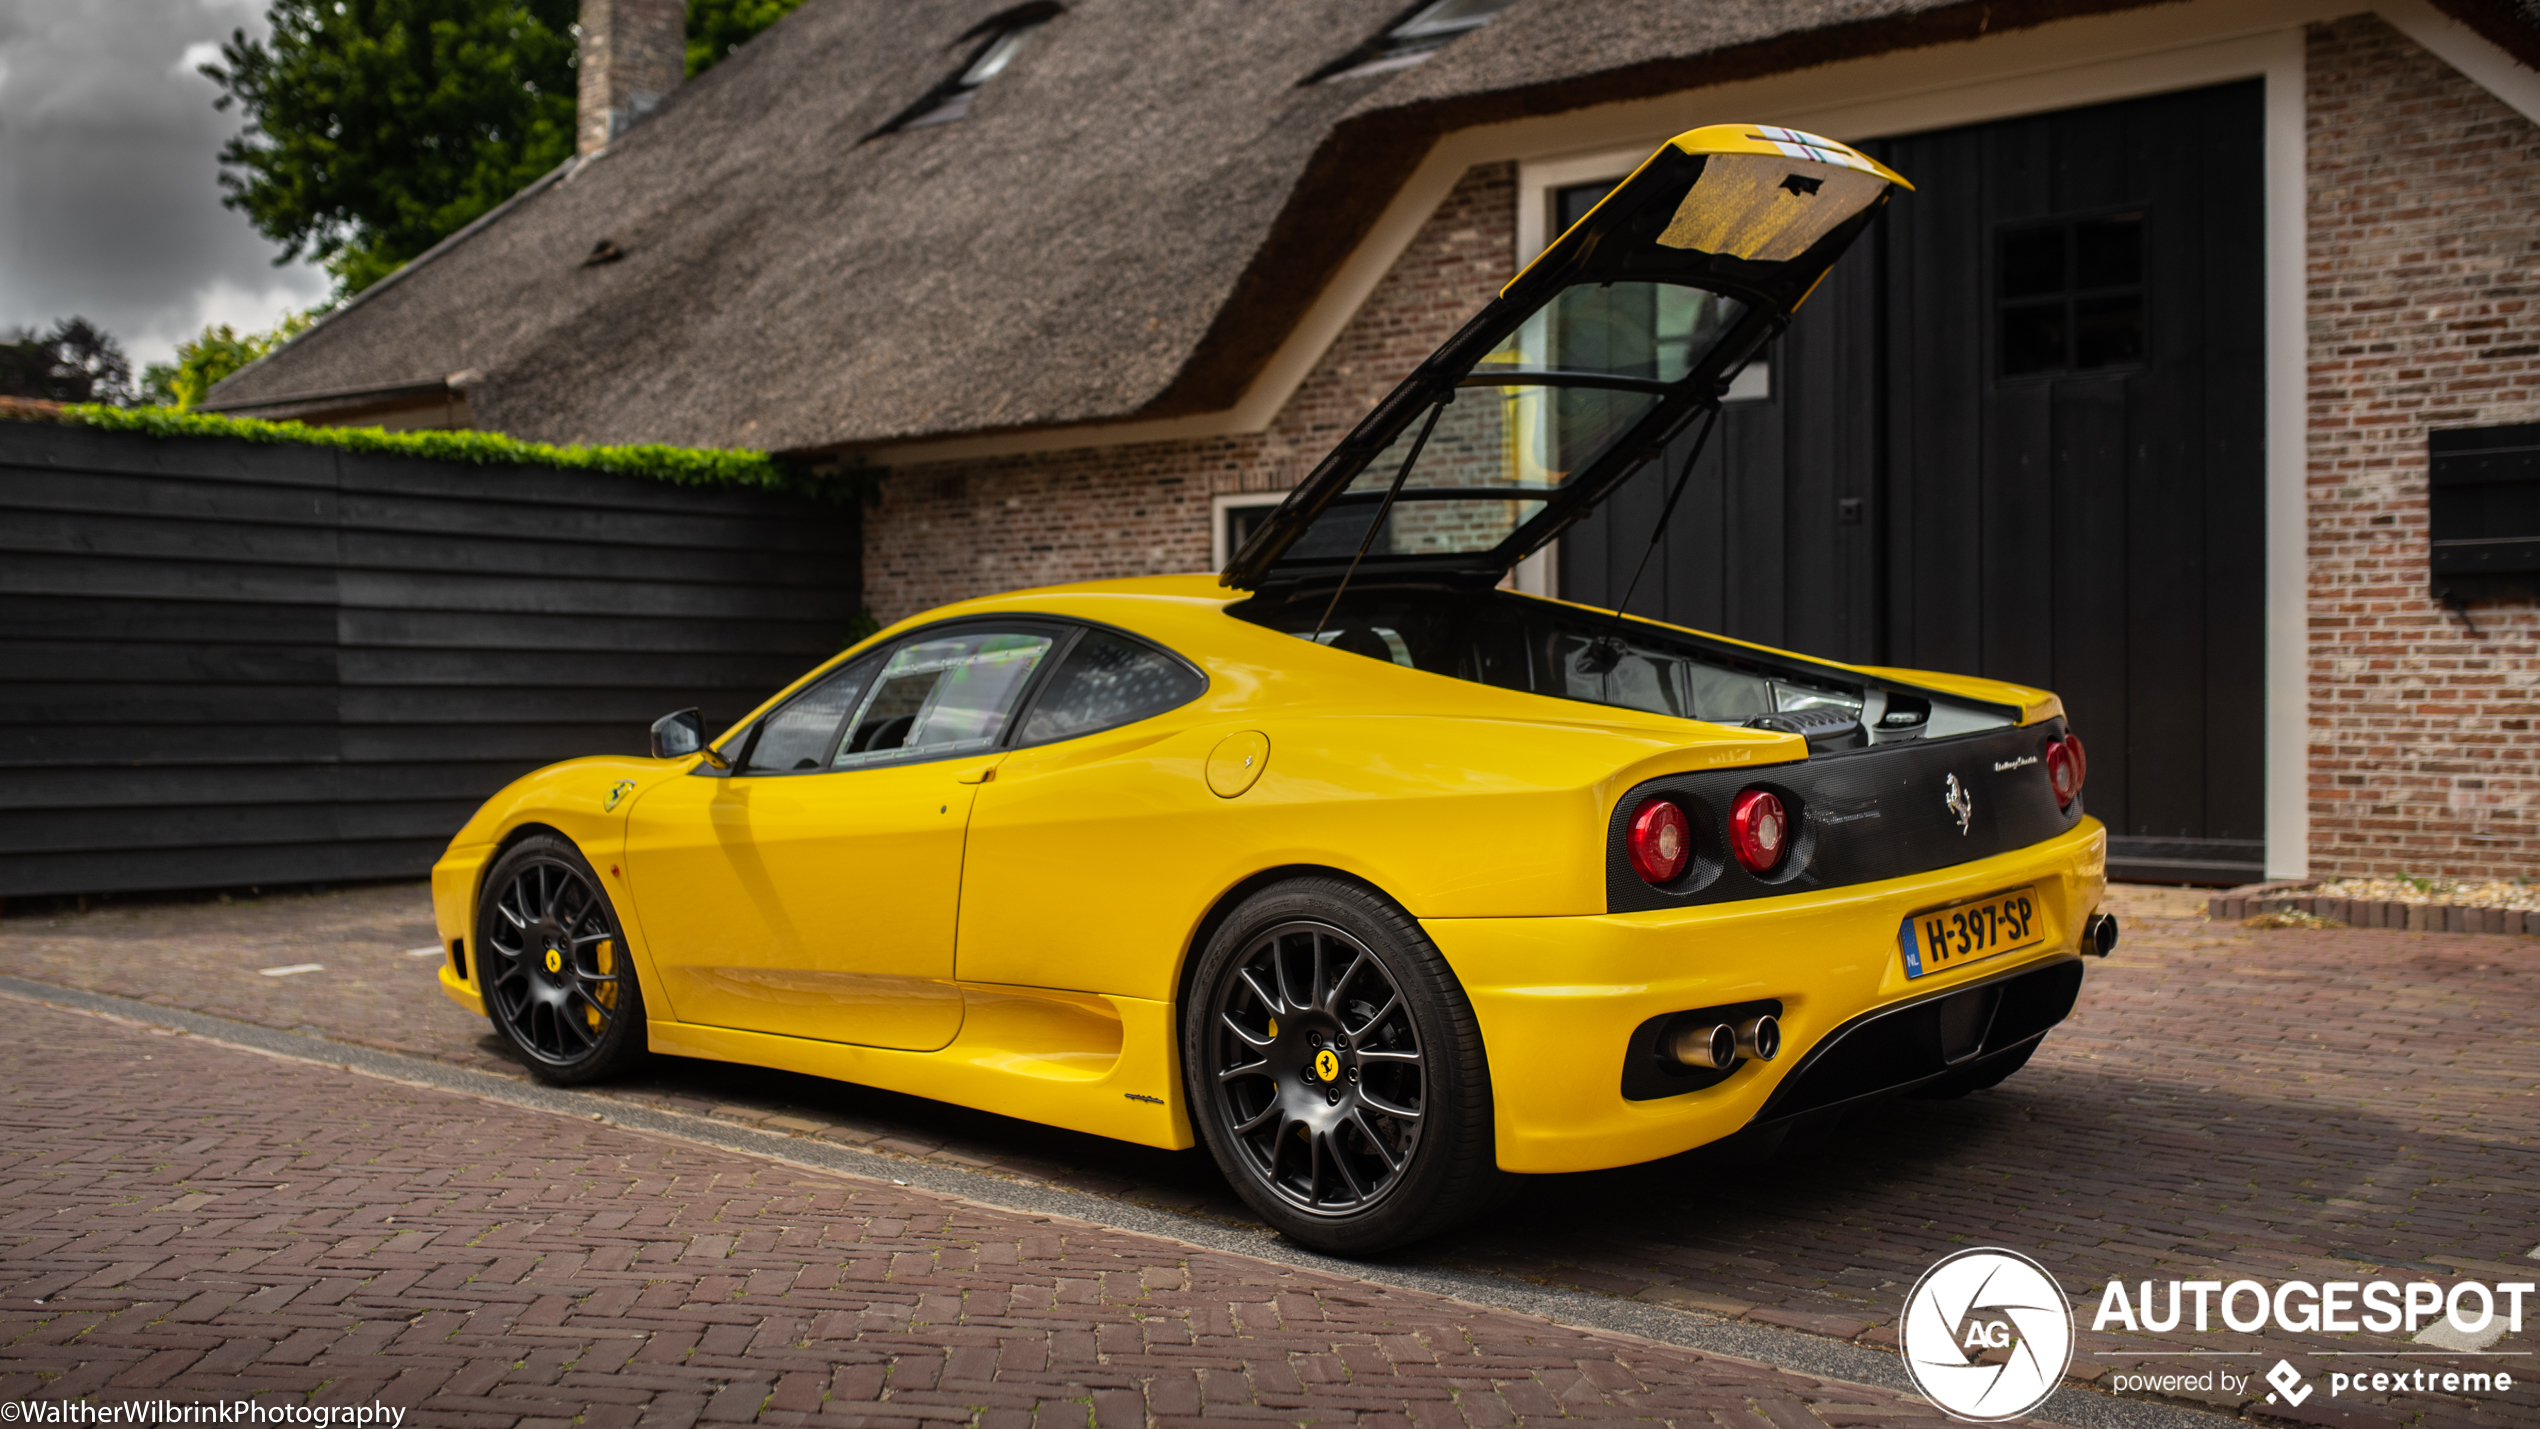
(683, 466)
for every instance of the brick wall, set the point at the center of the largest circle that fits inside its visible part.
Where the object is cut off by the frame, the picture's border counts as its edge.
(950, 530)
(2424, 262)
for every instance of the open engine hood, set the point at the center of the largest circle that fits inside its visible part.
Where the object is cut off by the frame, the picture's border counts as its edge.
(1583, 366)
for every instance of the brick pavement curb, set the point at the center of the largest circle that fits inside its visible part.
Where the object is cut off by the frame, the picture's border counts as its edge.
(1789, 1350)
(2259, 898)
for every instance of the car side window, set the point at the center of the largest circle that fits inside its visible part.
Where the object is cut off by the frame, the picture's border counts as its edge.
(798, 735)
(1109, 680)
(943, 695)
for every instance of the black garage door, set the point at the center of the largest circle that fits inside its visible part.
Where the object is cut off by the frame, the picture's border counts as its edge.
(2019, 433)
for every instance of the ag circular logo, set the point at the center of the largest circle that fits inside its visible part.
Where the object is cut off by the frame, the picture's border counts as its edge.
(1987, 1334)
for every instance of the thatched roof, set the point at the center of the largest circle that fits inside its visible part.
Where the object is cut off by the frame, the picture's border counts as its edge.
(1127, 225)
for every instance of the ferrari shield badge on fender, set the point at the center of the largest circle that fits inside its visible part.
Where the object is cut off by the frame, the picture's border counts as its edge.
(617, 794)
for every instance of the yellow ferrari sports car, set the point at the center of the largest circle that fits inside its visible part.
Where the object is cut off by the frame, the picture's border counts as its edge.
(1379, 879)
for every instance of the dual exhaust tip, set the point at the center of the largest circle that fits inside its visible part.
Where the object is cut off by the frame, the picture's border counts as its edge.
(1721, 1044)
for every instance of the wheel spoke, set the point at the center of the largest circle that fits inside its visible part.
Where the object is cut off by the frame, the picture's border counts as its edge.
(1314, 986)
(1384, 1152)
(1332, 999)
(511, 917)
(1386, 1104)
(1250, 1038)
(1386, 1054)
(1267, 1113)
(1372, 1023)
(1274, 1005)
(1278, 1145)
(1279, 961)
(1248, 1069)
(1340, 1163)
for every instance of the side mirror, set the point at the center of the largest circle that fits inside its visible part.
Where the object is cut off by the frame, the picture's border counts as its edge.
(680, 733)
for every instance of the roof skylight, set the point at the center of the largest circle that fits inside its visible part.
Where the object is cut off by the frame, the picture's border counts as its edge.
(1000, 38)
(1413, 38)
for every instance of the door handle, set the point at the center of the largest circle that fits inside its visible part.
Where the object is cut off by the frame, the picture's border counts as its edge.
(977, 776)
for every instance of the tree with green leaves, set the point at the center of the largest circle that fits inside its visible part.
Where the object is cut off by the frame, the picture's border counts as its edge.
(718, 27)
(376, 128)
(76, 362)
(214, 353)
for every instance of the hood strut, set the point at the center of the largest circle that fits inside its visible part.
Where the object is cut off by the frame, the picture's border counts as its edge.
(1428, 425)
(1609, 654)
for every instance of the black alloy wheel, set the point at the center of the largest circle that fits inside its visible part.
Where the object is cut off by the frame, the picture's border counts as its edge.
(1336, 1069)
(551, 962)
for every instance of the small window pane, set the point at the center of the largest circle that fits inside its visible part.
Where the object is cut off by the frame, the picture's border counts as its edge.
(1108, 681)
(1241, 522)
(2108, 252)
(2033, 263)
(1571, 204)
(2071, 297)
(1727, 696)
(945, 696)
(1788, 695)
(997, 56)
(2033, 340)
(1648, 330)
(2108, 332)
(799, 734)
(1449, 17)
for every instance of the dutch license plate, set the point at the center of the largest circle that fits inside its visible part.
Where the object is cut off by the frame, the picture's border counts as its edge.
(1940, 938)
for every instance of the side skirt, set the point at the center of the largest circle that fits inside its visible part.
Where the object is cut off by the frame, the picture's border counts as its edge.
(1088, 1062)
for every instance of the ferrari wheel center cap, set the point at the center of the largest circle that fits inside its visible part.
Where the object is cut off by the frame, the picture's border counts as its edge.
(555, 961)
(1327, 1065)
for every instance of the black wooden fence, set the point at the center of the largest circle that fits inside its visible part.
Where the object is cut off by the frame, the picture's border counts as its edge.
(226, 663)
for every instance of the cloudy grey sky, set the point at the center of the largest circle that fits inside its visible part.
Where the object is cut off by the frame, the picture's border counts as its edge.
(109, 196)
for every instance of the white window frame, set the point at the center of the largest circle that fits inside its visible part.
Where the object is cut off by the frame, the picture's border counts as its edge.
(1220, 549)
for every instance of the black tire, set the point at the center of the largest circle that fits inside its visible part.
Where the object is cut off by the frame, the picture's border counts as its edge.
(1351, 1127)
(551, 962)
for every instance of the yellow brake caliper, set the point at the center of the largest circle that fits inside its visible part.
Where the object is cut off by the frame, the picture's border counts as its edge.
(606, 993)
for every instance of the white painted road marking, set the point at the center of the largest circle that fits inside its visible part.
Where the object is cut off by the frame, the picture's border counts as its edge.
(293, 968)
(423, 952)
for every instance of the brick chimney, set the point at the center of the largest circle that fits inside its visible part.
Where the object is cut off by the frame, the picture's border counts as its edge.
(634, 52)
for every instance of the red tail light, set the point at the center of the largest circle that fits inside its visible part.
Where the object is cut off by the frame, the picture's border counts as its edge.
(1758, 830)
(2066, 767)
(1661, 842)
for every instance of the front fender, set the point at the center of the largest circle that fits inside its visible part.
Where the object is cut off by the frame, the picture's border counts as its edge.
(586, 800)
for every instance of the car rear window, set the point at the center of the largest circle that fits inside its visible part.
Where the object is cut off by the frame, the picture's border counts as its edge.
(1109, 680)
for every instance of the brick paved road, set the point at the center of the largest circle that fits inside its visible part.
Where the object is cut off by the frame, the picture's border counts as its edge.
(188, 1221)
(2282, 1104)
